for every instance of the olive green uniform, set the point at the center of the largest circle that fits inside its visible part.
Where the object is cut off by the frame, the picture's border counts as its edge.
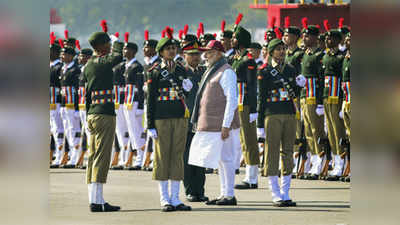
(246, 70)
(101, 114)
(166, 113)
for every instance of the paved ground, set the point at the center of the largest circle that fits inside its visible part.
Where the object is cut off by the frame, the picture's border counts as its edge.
(319, 202)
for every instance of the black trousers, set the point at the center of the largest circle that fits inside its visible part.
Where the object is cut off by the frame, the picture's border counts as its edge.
(194, 176)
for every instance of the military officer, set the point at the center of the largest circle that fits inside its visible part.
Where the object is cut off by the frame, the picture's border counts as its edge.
(225, 38)
(166, 84)
(100, 117)
(255, 51)
(276, 120)
(246, 69)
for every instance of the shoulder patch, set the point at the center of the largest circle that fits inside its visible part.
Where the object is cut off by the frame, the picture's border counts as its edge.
(153, 67)
(263, 66)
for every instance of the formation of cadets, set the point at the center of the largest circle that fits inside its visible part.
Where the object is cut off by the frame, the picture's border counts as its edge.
(293, 103)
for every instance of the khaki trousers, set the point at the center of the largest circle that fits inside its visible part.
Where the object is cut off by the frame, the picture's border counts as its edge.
(280, 131)
(335, 126)
(248, 138)
(102, 132)
(313, 123)
(169, 148)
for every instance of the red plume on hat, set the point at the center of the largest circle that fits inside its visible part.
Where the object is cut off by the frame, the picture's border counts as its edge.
(287, 22)
(185, 29)
(318, 26)
(126, 36)
(77, 44)
(223, 22)
(116, 34)
(180, 34)
(326, 25)
(238, 19)
(198, 33)
(163, 33)
(278, 33)
(272, 22)
(341, 21)
(265, 35)
(169, 32)
(304, 22)
(61, 42)
(146, 35)
(201, 28)
(66, 34)
(103, 25)
(52, 38)
(215, 35)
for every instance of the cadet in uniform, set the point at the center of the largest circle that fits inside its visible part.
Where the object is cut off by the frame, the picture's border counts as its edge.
(255, 51)
(246, 70)
(332, 72)
(134, 82)
(56, 125)
(101, 117)
(83, 57)
(194, 176)
(167, 122)
(226, 38)
(276, 120)
(69, 87)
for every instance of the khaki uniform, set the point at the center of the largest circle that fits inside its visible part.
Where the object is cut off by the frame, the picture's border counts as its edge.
(247, 140)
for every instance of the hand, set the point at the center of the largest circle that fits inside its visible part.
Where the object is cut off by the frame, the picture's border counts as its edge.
(319, 110)
(224, 133)
(253, 117)
(341, 114)
(139, 112)
(301, 80)
(152, 133)
(187, 85)
(260, 133)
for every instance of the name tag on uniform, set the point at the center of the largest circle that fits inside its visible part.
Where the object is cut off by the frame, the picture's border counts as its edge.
(284, 94)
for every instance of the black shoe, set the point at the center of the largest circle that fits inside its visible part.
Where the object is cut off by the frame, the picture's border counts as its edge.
(192, 198)
(237, 171)
(54, 166)
(67, 166)
(332, 178)
(117, 167)
(227, 201)
(279, 203)
(289, 203)
(245, 185)
(167, 208)
(294, 176)
(213, 201)
(208, 171)
(312, 177)
(343, 179)
(135, 168)
(183, 207)
(103, 208)
(203, 198)
(347, 179)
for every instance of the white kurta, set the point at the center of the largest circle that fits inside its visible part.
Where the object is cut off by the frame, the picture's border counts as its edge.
(207, 148)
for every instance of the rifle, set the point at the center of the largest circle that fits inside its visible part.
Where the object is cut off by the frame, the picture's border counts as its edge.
(302, 143)
(345, 143)
(326, 150)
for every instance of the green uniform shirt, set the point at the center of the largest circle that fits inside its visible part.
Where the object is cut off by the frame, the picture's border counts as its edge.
(332, 65)
(195, 77)
(246, 71)
(294, 58)
(99, 76)
(311, 68)
(272, 97)
(346, 69)
(162, 101)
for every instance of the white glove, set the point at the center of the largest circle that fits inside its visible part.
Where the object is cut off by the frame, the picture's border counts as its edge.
(253, 117)
(341, 114)
(320, 110)
(187, 85)
(145, 88)
(139, 112)
(260, 133)
(301, 80)
(152, 133)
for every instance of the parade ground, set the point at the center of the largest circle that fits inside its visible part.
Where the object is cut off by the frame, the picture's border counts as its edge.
(318, 202)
